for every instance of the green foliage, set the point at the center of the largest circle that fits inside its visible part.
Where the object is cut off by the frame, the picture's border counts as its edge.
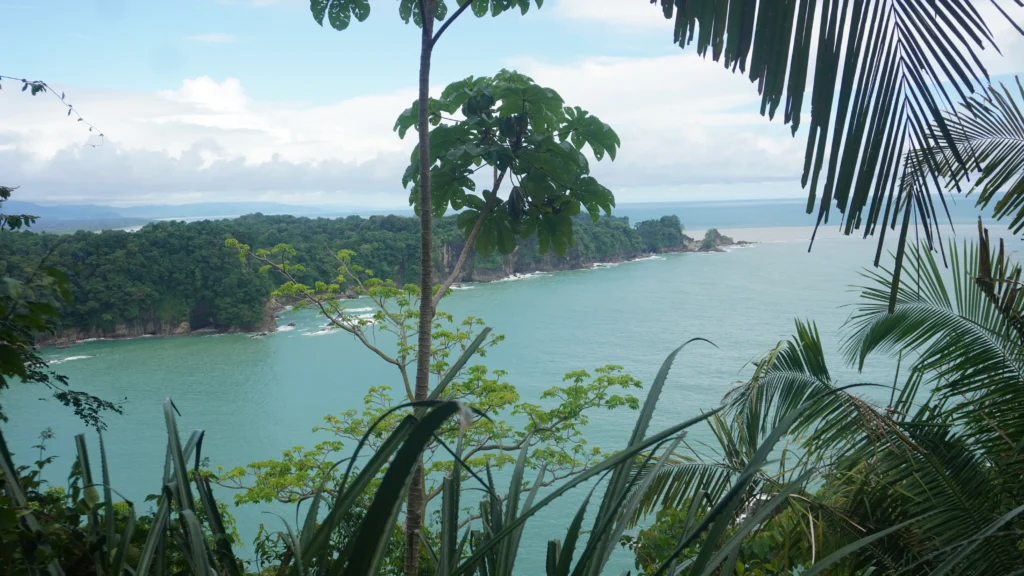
(987, 129)
(713, 239)
(352, 506)
(549, 435)
(340, 13)
(884, 73)
(521, 132)
(13, 221)
(149, 281)
(781, 546)
(169, 273)
(29, 304)
(662, 235)
(81, 529)
(929, 483)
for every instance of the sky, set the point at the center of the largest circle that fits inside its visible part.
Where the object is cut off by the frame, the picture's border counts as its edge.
(251, 100)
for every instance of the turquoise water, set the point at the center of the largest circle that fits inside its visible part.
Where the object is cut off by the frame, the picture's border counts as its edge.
(256, 397)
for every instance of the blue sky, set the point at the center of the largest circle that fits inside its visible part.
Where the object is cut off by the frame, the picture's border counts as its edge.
(205, 100)
(280, 53)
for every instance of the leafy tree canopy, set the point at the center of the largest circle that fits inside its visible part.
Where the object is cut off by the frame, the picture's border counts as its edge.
(524, 133)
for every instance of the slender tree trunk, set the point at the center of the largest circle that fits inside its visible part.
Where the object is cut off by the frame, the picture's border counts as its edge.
(414, 505)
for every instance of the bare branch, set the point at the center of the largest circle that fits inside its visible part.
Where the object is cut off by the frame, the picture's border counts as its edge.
(449, 22)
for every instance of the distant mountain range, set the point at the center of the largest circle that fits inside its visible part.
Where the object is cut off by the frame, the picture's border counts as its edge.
(697, 215)
(70, 217)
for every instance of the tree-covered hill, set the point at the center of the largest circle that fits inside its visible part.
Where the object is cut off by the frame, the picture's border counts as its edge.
(177, 277)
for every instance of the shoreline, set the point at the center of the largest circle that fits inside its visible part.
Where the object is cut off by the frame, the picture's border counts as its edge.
(272, 308)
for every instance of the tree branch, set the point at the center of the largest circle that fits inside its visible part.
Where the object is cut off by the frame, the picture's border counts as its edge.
(39, 85)
(464, 256)
(449, 21)
(319, 302)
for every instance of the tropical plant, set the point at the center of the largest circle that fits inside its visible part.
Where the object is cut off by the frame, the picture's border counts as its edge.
(522, 132)
(553, 434)
(989, 127)
(83, 530)
(423, 13)
(880, 73)
(189, 535)
(28, 309)
(930, 483)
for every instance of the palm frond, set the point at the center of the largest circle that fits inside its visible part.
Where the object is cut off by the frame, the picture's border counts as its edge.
(999, 279)
(677, 481)
(880, 75)
(990, 128)
(964, 342)
(962, 473)
(795, 377)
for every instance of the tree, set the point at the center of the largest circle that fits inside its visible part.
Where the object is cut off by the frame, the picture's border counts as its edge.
(932, 480)
(27, 309)
(665, 234)
(712, 238)
(990, 127)
(423, 13)
(884, 71)
(553, 435)
(522, 132)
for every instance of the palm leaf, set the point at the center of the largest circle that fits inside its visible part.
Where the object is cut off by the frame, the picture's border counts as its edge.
(883, 73)
(982, 373)
(990, 128)
(957, 472)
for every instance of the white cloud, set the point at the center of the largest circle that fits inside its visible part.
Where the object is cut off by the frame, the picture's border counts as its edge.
(214, 38)
(206, 140)
(682, 120)
(634, 14)
(684, 123)
(689, 130)
(1010, 57)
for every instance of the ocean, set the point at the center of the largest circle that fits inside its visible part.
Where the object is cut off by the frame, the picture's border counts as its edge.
(257, 397)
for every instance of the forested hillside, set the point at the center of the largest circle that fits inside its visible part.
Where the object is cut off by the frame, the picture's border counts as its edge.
(176, 277)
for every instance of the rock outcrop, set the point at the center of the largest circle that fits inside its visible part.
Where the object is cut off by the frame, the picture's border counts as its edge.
(122, 330)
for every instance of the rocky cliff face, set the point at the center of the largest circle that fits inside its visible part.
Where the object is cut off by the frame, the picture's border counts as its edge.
(137, 329)
(480, 270)
(269, 321)
(515, 263)
(122, 330)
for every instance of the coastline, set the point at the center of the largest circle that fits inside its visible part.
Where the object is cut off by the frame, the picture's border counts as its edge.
(272, 307)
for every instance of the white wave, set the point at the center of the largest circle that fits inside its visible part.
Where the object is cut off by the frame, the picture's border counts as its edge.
(523, 276)
(68, 359)
(358, 319)
(91, 340)
(367, 309)
(461, 287)
(285, 328)
(651, 257)
(320, 332)
(606, 264)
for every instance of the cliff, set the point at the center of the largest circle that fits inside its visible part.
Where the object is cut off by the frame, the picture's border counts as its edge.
(667, 239)
(151, 328)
